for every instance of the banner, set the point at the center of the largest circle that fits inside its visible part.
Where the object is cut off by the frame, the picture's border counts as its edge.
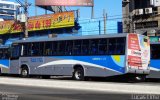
(64, 3)
(52, 21)
(138, 51)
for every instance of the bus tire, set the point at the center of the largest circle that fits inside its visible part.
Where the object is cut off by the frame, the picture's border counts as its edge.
(24, 72)
(45, 76)
(78, 74)
(137, 79)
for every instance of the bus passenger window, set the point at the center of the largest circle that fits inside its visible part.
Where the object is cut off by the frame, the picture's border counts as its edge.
(94, 47)
(112, 46)
(85, 47)
(102, 46)
(35, 48)
(16, 50)
(69, 47)
(61, 48)
(120, 46)
(1, 54)
(48, 48)
(77, 47)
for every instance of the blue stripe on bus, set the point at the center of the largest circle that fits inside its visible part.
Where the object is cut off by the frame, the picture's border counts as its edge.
(4, 62)
(116, 63)
(155, 64)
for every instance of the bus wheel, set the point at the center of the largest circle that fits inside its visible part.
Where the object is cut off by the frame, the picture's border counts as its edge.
(46, 77)
(137, 79)
(140, 78)
(24, 72)
(78, 74)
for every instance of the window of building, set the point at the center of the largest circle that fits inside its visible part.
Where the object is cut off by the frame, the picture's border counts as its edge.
(139, 4)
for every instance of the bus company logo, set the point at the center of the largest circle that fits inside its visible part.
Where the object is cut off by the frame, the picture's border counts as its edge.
(136, 53)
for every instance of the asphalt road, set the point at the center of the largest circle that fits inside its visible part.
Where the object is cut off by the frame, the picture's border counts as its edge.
(14, 88)
(40, 93)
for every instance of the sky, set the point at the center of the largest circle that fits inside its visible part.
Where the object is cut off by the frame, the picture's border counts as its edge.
(112, 7)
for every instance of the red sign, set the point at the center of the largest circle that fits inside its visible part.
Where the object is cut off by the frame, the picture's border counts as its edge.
(134, 53)
(64, 3)
(133, 42)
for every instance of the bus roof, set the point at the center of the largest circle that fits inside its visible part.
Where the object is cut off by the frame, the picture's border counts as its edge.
(71, 38)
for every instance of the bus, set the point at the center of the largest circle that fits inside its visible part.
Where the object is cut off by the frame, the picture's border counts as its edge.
(4, 60)
(155, 60)
(82, 56)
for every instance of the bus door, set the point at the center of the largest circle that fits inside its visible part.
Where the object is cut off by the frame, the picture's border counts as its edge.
(138, 53)
(14, 59)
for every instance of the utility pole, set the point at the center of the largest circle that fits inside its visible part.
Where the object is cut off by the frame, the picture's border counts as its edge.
(105, 20)
(26, 18)
(92, 12)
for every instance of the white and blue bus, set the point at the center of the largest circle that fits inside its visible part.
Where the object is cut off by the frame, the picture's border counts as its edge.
(82, 56)
(4, 60)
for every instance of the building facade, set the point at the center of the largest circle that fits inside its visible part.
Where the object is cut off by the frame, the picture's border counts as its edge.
(8, 10)
(141, 16)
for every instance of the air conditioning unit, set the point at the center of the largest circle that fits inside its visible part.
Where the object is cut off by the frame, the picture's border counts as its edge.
(148, 11)
(21, 18)
(139, 11)
(133, 12)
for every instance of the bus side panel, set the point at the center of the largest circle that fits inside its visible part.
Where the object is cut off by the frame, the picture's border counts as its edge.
(63, 65)
(14, 67)
(4, 65)
(96, 65)
(46, 66)
(154, 69)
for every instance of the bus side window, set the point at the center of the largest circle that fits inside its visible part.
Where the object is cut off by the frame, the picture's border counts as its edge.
(102, 46)
(69, 48)
(16, 51)
(77, 47)
(155, 49)
(5, 54)
(26, 49)
(94, 47)
(120, 46)
(34, 49)
(85, 47)
(61, 48)
(112, 46)
(48, 48)
(54, 48)
(1, 54)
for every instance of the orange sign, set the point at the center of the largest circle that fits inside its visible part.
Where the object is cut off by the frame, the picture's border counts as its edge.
(52, 21)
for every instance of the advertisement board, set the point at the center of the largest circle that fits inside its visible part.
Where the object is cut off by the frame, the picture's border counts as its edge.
(52, 21)
(64, 3)
(138, 51)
